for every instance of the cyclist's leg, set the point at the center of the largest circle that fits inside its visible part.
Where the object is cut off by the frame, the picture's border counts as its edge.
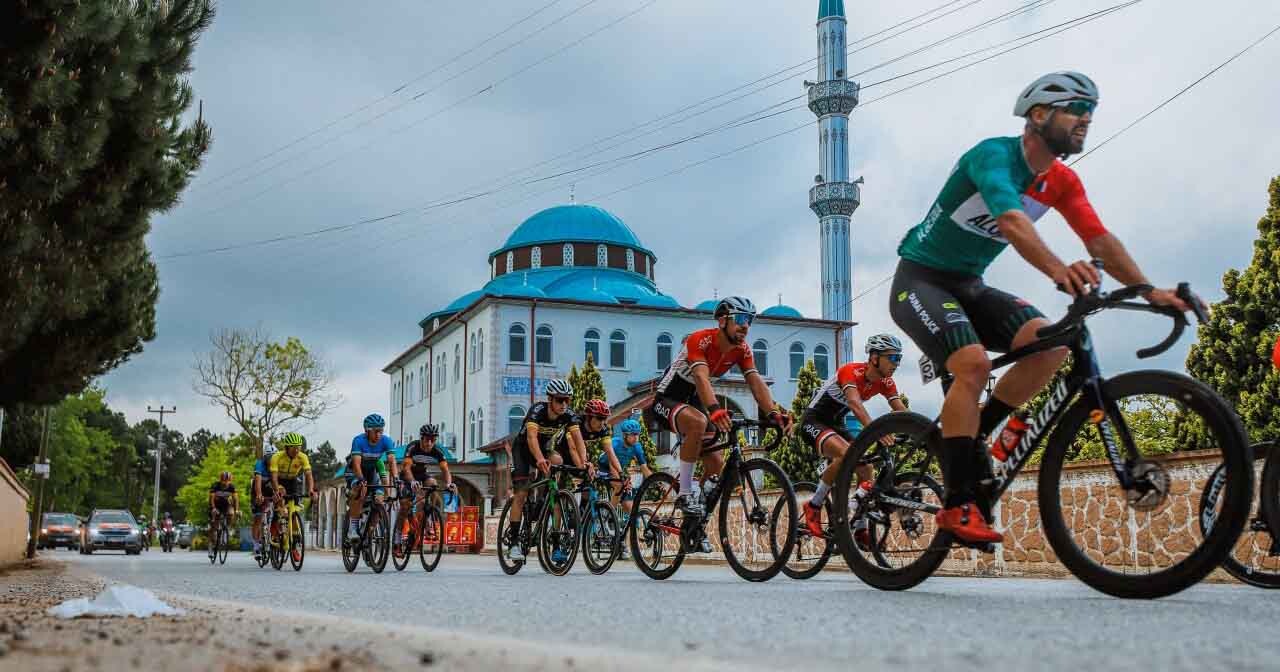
(1005, 322)
(522, 474)
(690, 423)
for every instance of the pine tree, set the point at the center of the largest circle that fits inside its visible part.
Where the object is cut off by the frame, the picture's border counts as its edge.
(588, 386)
(92, 144)
(797, 459)
(1233, 351)
(646, 441)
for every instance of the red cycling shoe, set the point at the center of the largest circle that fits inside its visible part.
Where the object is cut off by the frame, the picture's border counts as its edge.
(966, 522)
(813, 519)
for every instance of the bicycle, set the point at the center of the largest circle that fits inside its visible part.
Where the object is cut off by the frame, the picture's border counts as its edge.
(657, 515)
(600, 533)
(1258, 544)
(550, 521)
(425, 533)
(219, 538)
(288, 539)
(1113, 407)
(373, 544)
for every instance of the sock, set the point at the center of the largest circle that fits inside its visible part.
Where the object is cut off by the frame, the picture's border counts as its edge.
(957, 469)
(993, 413)
(686, 476)
(820, 494)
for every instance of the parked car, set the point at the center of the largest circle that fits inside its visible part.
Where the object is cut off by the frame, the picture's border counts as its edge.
(185, 534)
(112, 529)
(59, 529)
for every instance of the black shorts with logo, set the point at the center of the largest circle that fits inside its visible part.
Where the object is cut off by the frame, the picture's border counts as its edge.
(664, 410)
(814, 430)
(944, 311)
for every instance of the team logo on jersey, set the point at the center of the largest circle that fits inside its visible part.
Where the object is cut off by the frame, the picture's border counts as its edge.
(925, 318)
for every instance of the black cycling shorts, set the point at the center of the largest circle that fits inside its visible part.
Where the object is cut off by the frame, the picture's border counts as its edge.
(944, 311)
(814, 431)
(664, 409)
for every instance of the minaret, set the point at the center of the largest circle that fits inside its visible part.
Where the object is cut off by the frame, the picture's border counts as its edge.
(834, 198)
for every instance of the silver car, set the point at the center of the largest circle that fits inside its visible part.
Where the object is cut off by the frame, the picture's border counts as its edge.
(185, 534)
(112, 529)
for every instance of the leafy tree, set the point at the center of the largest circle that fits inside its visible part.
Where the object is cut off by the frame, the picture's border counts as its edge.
(262, 385)
(92, 144)
(1232, 352)
(797, 459)
(199, 442)
(324, 462)
(222, 455)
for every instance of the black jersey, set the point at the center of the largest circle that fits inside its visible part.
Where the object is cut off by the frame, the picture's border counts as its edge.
(422, 457)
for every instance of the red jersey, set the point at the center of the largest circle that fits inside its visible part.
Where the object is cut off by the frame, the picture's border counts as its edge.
(702, 348)
(829, 402)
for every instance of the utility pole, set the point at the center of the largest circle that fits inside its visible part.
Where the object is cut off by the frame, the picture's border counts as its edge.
(155, 502)
(41, 469)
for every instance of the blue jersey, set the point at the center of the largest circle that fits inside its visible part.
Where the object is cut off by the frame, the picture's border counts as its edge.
(360, 446)
(626, 454)
(263, 468)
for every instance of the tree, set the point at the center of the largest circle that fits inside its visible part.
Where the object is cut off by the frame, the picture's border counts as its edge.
(587, 385)
(797, 459)
(94, 144)
(262, 385)
(222, 455)
(1232, 352)
(324, 462)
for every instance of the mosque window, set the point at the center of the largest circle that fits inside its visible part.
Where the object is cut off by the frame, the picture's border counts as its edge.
(515, 419)
(618, 349)
(631, 261)
(480, 356)
(568, 254)
(537, 257)
(516, 343)
(760, 352)
(511, 259)
(457, 362)
(820, 361)
(591, 341)
(664, 351)
(542, 344)
(797, 359)
(602, 255)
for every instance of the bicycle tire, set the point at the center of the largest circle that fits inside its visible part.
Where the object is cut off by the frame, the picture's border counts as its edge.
(350, 550)
(748, 494)
(654, 538)
(919, 429)
(400, 553)
(1208, 512)
(806, 546)
(508, 565)
(224, 543)
(600, 527)
(559, 531)
(432, 529)
(1237, 494)
(298, 542)
(379, 537)
(214, 531)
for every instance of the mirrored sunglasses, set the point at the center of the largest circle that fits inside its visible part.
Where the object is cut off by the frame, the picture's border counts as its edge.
(742, 319)
(895, 358)
(1078, 108)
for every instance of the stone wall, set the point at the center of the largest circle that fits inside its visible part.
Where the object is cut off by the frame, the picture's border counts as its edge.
(13, 516)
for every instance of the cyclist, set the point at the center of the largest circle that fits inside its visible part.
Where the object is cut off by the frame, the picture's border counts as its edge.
(823, 426)
(546, 424)
(366, 451)
(992, 199)
(288, 466)
(263, 495)
(418, 456)
(685, 404)
(592, 425)
(223, 500)
(617, 458)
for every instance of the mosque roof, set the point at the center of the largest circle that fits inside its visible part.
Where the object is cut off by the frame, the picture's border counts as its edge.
(573, 223)
(781, 310)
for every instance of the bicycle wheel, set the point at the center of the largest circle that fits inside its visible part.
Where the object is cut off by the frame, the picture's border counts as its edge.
(350, 549)
(508, 565)
(432, 539)
(213, 545)
(810, 554)
(378, 538)
(224, 543)
(755, 548)
(600, 538)
(297, 544)
(401, 551)
(898, 557)
(1140, 546)
(654, 532)
(1255, 557)
(558, 543)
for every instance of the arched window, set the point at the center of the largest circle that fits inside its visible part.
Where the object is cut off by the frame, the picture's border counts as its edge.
(471, 428)
(664, 351)
(542, 344)
(457, 362)
(471, 357)
(515, 419)
(591, 341)
(760, 351)
(797, 359)
(409, 397)
(536, 261)
(820, 361)
(479, 428)
(516, 347)
(631, 260)
(568, 254)
(511, 260)
(422, 382)
(618, 349)
(480, 350)
(602, 255)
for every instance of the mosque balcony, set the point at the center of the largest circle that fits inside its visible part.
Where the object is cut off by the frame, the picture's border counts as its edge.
(834, 198)
(834, 96)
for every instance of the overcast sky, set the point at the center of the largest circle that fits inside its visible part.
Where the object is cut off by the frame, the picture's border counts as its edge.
(1183, 189)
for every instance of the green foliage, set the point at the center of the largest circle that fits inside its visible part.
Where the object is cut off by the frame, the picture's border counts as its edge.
(324, 462)
(587, 385)
(1232, 352)
(236, 456)
(92, 144)
(797, 459)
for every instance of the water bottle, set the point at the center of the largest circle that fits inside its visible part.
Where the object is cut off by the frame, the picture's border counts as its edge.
(859, 495)
(1010, 436)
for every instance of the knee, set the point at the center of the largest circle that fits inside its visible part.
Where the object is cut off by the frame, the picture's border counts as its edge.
(693, 423)
(970, 366)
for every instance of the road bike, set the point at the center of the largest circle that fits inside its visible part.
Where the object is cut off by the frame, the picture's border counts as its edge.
(1109, 417)
(1255, 556)
(286, 536)
(374, 541)
(549, 523)
(601, 531)
(422, 528)
(661, 535)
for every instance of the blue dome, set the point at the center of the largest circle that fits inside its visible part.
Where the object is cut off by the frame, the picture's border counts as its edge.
(572, 223)
(709, 305)
(781, 311)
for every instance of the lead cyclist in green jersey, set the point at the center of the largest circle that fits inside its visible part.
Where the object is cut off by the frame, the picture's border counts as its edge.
(991, 200)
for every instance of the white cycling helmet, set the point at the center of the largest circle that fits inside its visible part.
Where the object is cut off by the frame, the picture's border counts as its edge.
(559, 388)
(882, 342)
(731, 305)
(1053, 88)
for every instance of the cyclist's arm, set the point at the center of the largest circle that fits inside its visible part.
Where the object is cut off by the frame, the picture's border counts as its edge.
(577, 447)
(532, 440)
(615, 468)
(644, 469)
(854, 401)
(759, 389)
(406, 470)
(448, 475)
(1116, 260)
(257, 486)
(311, 482)
(356, 459)
(897, 405)
(702, 383)
(393, 470)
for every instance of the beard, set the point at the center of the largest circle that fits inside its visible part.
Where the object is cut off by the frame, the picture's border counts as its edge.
(1063, 141)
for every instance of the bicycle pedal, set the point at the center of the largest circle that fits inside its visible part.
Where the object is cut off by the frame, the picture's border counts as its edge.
(981, 547)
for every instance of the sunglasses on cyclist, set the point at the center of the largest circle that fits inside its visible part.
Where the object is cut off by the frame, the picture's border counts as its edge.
(742, 319)
(1078, 108)
(895, 358)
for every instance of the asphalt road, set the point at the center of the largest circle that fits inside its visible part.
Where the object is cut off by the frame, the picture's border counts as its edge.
(831, 621)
